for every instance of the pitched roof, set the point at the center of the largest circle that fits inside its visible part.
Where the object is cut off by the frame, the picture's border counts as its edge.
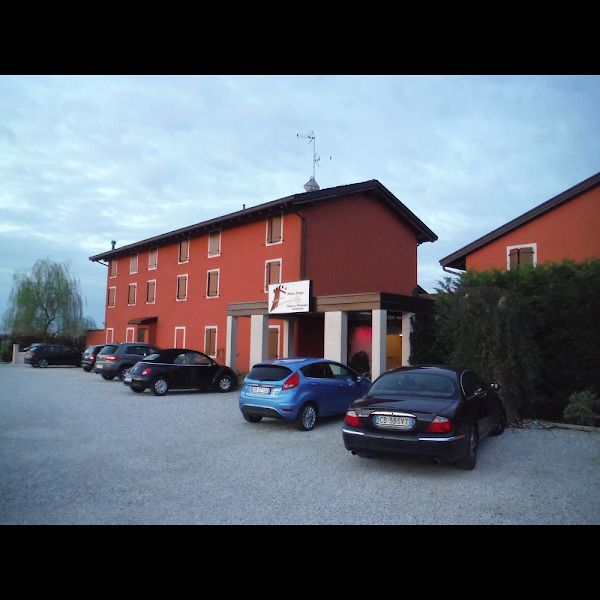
(421, 231)
(458, 259)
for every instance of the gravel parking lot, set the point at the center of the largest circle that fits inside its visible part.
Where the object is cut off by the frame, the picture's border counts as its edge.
(76, 449)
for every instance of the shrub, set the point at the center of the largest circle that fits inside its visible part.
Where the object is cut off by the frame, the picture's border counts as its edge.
(5, 352)
(583, 408)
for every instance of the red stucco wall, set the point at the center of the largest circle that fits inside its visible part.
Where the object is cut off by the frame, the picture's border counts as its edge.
(356, 244)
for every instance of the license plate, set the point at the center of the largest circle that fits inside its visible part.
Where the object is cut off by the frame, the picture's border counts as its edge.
(99, 366)
(261, 390)
(394, 421)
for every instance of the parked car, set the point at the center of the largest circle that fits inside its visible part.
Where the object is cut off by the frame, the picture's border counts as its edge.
(32, 346)
(88, 358)
(115, 359)
(438, 412)
(42, 355)
(300, 390)
(179, 369)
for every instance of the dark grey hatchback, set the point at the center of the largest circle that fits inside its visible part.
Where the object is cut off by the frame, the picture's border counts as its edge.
(439, 412)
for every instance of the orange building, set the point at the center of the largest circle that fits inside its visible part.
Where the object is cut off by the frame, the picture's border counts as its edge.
(564, 227)
(322, 273)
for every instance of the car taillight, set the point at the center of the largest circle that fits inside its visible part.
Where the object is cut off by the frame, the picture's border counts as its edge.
(91, 357)
(352, 419)
(111, 357)
(439, 425)
(146, 371)
(291, 382)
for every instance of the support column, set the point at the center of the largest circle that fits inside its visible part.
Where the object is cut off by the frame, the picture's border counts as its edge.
(336, 336)
(379, 342)
(259, 338)
(231, 342)
(406, 329)
(288, 338)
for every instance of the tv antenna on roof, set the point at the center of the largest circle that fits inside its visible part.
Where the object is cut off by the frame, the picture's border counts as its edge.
(311, 185)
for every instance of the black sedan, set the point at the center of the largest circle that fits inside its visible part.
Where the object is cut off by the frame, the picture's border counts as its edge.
(179, 368)
(439, 412)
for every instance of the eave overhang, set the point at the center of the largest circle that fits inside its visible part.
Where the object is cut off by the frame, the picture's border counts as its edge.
(421, 231)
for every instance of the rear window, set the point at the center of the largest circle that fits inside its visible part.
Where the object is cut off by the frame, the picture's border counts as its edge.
(269, 373)
(414, 383)
(108, 349)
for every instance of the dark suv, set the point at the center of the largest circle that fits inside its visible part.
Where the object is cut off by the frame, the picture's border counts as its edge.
(116, 359)
(42, 355)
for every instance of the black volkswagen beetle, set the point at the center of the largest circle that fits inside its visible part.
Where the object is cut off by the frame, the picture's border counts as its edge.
(180, 368)
(437, 411)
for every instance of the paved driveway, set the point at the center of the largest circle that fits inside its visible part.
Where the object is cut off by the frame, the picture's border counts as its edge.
(75, 449)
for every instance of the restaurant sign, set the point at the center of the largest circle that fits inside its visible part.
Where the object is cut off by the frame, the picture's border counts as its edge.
(290, 297)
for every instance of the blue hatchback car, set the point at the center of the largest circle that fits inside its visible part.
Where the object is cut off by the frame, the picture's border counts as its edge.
(300, 390)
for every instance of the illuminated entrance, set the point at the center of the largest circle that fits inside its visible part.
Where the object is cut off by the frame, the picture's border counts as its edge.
(335, 327)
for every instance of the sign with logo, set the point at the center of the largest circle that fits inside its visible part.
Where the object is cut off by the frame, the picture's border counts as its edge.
(290, 297)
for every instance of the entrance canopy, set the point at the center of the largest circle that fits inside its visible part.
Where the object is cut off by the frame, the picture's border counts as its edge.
(335, 310)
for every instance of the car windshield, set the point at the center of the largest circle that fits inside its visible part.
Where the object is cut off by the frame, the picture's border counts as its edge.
(414, 383)
(269, 373)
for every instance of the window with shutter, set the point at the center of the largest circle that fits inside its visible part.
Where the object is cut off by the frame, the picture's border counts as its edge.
(212, 284)
(153, 258)
(131, 294)
(182, 287)
(184, 251)
(272, 273)
(133, 263)
(214, 243)
(112, 293)
(274, 229)
(521, 255)
(151, 292)
(210, 341)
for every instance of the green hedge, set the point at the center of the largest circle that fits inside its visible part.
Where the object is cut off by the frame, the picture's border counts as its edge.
(534, 330)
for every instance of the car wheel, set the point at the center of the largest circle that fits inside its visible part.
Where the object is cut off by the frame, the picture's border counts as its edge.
(469, 461)
(107, 377)
(138, 389)
(307, 417)
(87, 369)
(122, 372)
(43, 363)
(500, 424)
(160, 386)
(225, 383)
(252, 418)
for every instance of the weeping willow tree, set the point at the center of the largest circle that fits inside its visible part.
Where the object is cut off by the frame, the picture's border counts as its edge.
(46, 304)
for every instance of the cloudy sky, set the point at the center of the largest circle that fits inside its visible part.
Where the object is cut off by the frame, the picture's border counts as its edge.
(89, 159)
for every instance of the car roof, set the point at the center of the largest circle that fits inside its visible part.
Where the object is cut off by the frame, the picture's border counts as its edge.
(294, 362)
(168, 351)
(441, 369)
